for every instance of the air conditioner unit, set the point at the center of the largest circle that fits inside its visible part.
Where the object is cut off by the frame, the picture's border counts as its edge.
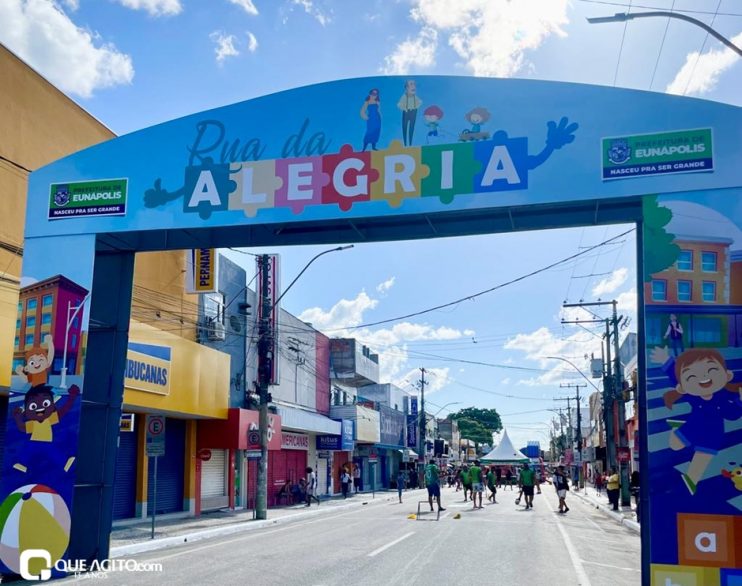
(215, 330)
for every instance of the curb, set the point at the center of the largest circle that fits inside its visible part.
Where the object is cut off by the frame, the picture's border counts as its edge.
(618, 517)
(239, 527)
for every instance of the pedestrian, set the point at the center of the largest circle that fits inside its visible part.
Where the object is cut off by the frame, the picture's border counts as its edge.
(675, 333)
(457, 479)
(432, 482)
(562, 486)
(498, 474)
(526, 482)
(466, 481)
(475, 473)
(599, 482)
(613, 486)
(311, 487)
(509, 478)
(492, 485)
(401, 483)
(356, 477)
(345, 482)
(634, 484)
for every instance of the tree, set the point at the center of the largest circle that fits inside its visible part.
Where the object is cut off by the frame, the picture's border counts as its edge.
(660, 250)
(478, 425)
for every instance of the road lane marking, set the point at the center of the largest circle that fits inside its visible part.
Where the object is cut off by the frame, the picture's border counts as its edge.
(390, 544)
(582, 578)
(609, 566)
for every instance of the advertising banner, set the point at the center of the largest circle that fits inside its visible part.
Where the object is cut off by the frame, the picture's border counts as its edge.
(412, 431)
(273, 294)
(253, 431)
(661, 153)
(413, 406)
(106, 197)
(148, 368)
(294, 441)
(392, 426)
(693, 309)
(202, 271)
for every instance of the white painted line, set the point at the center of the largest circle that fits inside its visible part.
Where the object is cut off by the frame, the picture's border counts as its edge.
(609, 566)
(390, 544)
(582, 578)
(444, 515)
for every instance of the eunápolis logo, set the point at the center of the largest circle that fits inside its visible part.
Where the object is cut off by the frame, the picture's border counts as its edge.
(148, 368)
(104, 197)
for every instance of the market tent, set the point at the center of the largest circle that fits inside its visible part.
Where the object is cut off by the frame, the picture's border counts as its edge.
(504, 453)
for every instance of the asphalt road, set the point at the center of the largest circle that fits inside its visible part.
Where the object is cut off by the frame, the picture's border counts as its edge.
(378, 545)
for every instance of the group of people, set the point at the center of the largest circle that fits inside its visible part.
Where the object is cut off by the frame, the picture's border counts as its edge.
(612, 483)
(303, 491)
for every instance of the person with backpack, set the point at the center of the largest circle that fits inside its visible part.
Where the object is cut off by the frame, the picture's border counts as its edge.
(432, 482)
(561, 484)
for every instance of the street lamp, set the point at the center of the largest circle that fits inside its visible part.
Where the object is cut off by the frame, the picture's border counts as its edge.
(446, 405)
(70, 318)
(625, 16)
(265, 357)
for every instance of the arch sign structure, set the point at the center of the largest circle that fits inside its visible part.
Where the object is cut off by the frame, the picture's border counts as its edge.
(390, 158)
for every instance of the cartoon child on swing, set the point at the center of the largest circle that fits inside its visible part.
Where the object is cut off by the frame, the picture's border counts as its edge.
(701, 378)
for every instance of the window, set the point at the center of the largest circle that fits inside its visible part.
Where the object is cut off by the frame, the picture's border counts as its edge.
(708, 262)
(707, 330)
(18, 325)
(20, 308)
(18, 362)
(17, 344)
(709, 291)
(31, 305)
(30, 322)
(659, 290)
(654, 331)
(684, 290)
(46, 301)
(214, 306)
(685, 260)
(29, 340)
(46, 319)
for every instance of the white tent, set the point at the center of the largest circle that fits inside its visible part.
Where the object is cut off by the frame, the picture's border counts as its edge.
(504, 453)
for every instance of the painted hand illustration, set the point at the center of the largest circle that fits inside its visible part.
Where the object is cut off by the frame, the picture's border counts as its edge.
(659, 355)
(557, 135)
(157, 196)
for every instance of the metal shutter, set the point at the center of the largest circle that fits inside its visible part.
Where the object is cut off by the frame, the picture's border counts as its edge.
(170, 469)
(214, 493)
(125, 479)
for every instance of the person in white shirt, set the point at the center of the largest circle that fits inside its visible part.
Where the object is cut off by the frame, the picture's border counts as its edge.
(311, 487)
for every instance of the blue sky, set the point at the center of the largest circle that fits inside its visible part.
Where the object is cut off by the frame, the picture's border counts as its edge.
(135, 63)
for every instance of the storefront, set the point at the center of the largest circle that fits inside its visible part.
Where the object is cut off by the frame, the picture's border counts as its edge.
(214, 489)
(392, 440)
(337, 450)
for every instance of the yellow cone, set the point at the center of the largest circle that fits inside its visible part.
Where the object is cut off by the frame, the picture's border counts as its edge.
(413, 516)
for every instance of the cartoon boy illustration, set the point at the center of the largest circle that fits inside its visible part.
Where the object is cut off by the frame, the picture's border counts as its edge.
(701, 378)
(38, 363)
(432, 115)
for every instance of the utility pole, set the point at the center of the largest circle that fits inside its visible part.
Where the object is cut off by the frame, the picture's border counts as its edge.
(621, 406)
(570, 443)
(265, 337)
(422, 423)
(578, 433)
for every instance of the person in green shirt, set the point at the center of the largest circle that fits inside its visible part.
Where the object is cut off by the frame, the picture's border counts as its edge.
(527, 481)
(492, 485)
(475, 473)
(466, 481)
(432, 482)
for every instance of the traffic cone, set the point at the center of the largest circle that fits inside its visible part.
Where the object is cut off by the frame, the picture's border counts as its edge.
(413, 516)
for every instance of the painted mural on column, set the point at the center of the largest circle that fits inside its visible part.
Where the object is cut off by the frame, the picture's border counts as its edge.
(44, 411)
(693, 305)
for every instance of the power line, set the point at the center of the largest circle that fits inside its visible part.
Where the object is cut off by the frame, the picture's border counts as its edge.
(688, 11)
(620, 49)
(703, 46)
(662, 44)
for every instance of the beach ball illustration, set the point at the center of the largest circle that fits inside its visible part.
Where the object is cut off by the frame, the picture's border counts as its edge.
(33, 516)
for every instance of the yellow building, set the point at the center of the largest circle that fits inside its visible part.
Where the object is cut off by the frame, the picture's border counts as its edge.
(40, 124)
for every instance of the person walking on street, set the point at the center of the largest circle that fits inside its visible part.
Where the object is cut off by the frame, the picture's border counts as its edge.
(599, 482)
(457, 479)
(509, 478)
(401, 482)
(345, 482)
(311, 487)
(475, 473)
(492, 485)
(466, 481)
(432, 482)
(613, 486)
(498, 473)
(356, 478)
(527, 482)
(562, 486)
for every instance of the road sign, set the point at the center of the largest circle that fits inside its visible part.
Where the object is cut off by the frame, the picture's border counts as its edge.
(253, 454)
(126, 423)
(624, 455)
(155, 435)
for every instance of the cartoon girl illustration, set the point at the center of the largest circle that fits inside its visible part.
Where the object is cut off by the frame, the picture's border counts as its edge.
(701, 378)
(432, 115)
(476, 117)
(371, 113)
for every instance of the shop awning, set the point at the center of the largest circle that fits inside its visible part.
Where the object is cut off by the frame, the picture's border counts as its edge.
(301, 420)
(408, 452)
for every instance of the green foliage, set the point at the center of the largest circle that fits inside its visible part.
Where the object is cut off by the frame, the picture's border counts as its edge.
(660, 250)
(478, 424)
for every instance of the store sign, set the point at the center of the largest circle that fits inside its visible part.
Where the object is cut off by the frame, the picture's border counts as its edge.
(126, 422)
(202, 271)
(253, 431)
(346, 435)
(343, 442)
(412, 431)
(272, 293)
(106, 197)
(413, 406)
(148, 368)
(683, 151)
(294, 441)
(392, 426)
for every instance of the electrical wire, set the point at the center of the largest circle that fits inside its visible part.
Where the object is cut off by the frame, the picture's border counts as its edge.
(703, 46)
(686, 10)
(620, 49)
(662, 44)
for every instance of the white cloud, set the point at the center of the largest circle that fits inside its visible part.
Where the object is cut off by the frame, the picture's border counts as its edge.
(611, 283)
(386, 285)
(154, 7)
(412, 54)
(492, 38)
(505, 381)
(72, 58)
(252, 42)
(436, 379)
(311, 9)
(72, 4)
(700, 73)
(225, 46)
(247, 5)
(345, 313)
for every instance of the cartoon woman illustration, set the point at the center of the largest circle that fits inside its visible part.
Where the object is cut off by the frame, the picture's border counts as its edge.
(371, 113)
(432, 115)
(701, 378)
(675, 333)
(476, 117)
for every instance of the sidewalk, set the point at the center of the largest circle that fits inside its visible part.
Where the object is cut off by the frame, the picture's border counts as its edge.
(132, 537)
(625, 515)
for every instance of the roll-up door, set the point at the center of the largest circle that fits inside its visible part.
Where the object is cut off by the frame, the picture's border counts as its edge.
(214, 494)
(125, 479)
(170, 470)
